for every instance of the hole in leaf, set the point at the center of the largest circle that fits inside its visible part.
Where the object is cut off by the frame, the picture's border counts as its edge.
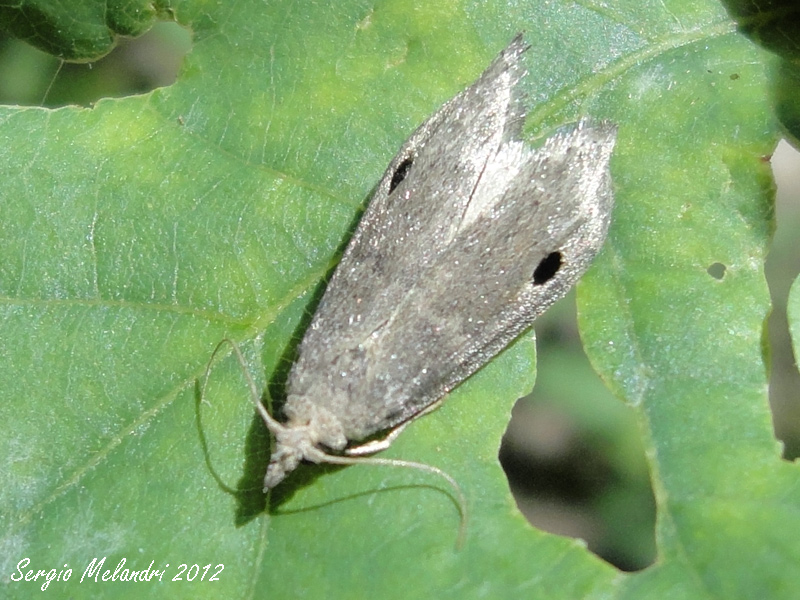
(31, 77)
(717, 270)
(574, 456)
(781, 271)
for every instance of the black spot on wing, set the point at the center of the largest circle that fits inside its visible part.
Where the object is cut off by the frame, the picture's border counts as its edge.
(547, 268)
(400, 173)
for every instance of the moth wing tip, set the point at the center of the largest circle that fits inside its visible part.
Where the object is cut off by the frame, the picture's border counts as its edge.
(518, 45)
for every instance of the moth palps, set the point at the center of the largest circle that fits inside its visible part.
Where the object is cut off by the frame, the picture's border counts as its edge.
(469, 236)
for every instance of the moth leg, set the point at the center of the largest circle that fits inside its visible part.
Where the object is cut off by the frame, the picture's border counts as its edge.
(374, 446)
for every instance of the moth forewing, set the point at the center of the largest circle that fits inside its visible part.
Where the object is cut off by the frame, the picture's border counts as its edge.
(500, 271)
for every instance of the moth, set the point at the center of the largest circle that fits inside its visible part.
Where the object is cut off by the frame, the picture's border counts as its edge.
(469, 236)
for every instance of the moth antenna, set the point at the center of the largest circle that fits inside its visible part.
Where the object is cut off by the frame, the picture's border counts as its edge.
(321, 456)
(461, 499)
(61, 64)
(271, 423)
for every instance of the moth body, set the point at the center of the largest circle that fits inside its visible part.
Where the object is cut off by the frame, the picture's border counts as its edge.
(469, 236)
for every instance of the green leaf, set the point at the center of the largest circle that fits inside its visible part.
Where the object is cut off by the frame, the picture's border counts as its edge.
(137, 234)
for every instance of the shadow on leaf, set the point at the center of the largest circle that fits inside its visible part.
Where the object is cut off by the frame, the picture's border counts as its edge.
(249, 494)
